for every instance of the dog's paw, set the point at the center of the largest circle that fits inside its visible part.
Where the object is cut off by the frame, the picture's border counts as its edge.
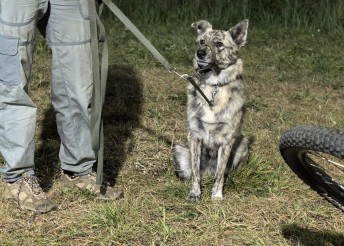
(192, 197)
(217, 198)
(216, 195)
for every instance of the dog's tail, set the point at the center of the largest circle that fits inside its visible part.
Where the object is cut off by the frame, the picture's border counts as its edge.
(182, 162)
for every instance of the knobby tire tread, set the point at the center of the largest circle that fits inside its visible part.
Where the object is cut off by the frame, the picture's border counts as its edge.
(298, 140)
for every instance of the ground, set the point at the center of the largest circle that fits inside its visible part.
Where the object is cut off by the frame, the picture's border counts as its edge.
(292, 77)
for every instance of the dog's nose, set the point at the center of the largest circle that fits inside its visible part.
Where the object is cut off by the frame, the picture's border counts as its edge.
(201, 54)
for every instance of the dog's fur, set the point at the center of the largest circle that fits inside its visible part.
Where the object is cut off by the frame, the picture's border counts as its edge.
(216, 144)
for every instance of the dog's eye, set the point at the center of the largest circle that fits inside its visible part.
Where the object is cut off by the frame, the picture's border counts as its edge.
(219, 44)
(202, 41)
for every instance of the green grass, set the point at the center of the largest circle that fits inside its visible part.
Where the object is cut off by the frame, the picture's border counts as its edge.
(307, 14)
(293, 76)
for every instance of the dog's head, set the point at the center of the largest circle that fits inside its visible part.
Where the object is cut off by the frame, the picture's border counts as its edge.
(218, 47)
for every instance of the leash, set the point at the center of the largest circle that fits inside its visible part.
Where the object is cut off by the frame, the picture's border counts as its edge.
(124, 19)
(137, 33)
(191, 79)
(99, 77)
(100, 73)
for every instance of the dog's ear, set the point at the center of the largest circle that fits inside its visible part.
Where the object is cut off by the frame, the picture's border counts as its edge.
(202, 26)
(239, 33)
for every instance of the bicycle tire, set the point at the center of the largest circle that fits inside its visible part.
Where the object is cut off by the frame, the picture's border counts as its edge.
(300, 142)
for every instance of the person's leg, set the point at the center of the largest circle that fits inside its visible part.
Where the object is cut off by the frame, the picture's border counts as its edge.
(17, 111)
(68, 36)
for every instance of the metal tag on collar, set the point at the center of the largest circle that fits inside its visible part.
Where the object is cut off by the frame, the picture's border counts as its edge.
(215, 91)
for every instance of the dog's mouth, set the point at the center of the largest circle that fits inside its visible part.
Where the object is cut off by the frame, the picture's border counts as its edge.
(202, 64)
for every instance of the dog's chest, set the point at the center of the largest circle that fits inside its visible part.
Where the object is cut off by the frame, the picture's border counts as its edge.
(222, 109)
(213, 123)
(220, 96)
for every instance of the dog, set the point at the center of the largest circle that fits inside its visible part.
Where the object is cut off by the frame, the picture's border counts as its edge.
(215, 142)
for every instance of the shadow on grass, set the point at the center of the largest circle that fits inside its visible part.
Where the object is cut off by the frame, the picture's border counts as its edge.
(307, 237)
(121, 115)
(47, 155)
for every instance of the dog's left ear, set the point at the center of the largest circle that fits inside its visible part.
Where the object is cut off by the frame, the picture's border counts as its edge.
(202, 26)
(239, 33)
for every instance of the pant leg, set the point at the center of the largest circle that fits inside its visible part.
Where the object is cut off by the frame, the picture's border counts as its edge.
(68, 35)
(17, 111)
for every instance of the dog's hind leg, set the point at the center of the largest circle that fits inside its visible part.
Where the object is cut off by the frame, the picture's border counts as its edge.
(182, 162)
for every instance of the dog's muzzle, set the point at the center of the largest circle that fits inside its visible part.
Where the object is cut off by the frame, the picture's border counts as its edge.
(201, 53)
(204, 57)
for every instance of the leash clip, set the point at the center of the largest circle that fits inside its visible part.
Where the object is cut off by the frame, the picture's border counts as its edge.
(183, 76)
(190, 78)
(172, 70)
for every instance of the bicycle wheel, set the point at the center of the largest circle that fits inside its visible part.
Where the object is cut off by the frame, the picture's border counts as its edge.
(316, 155)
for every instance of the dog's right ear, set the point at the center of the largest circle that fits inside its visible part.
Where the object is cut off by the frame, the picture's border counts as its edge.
(202, 26)
(239, 33)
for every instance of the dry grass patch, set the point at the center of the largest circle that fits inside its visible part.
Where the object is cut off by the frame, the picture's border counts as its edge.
(265, 203)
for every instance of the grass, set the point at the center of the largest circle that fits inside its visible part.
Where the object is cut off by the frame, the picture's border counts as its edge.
(293, 76)
(308, 14)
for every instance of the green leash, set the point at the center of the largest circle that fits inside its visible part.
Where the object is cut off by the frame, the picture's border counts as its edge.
(138, 34)
(99, 86)
(152, 49)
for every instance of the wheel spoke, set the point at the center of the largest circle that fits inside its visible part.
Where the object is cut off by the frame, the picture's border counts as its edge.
(331, 170)
(336, 164)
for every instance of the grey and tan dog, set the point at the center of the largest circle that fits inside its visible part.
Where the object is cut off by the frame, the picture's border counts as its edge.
(216, 144)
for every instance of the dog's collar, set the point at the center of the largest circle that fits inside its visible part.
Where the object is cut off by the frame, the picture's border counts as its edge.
(212, 67)
(239, 76)
(221, 84)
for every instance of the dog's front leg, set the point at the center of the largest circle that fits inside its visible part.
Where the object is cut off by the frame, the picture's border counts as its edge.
(222, 160)
(195, 145)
